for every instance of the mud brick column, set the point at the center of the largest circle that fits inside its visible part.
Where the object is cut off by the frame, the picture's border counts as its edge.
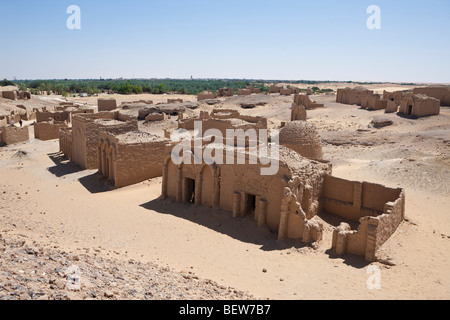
(284, 217)
(179, 197)
(198, 188)
(372, 226)
(236, 204)
(262, 211)
(164, 181)
(216, 199)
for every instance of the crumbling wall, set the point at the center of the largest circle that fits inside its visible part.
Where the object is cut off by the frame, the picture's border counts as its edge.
(275, 89)
(11, 95)
(155, 117)
(244, 92)
(175, 101)
(205, 96)
(48, 130)
(352, 96)
(225, 92)
(12, 135)
(373, 102)
(304, 100)
(286, 92)
(391, 106)
(378, 209)
(106, 104)
(298, 113)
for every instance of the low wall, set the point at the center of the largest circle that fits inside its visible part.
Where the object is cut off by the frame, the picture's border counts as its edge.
(13, 135)
(47, 131)
(106, 104)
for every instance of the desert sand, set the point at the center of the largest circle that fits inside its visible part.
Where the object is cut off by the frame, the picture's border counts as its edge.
(49, 203)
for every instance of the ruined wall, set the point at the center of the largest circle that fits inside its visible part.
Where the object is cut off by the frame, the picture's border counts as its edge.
(304, 100)
(225, 92)
(13, 135)
(286, 92)
(352, 96)
(373, 102)
(440, 93)
(353, 200)
(155, 117)
(23, 95)
(11, 95)
(244, 92)
(47, 130)
(378, 209)
(46, 116)
(106, 104)
(205, 96)
(387, 224)
(275, 89)
(391, 106)
(175, 101)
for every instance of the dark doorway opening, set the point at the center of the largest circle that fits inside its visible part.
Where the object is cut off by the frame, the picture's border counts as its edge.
(251, 205)
(190, 190)
(409, 112)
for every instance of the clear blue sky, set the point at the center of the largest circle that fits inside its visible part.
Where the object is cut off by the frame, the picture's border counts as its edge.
(283, 39)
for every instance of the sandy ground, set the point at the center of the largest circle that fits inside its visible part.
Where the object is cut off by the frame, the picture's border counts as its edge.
(57, 205)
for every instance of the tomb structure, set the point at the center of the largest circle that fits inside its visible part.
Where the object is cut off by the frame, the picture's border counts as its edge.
(419, 105)
(131, 157)
(86, 129)
(298, 200)
(352, 96)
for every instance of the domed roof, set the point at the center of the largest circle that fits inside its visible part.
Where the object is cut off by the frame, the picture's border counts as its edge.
(303, 138)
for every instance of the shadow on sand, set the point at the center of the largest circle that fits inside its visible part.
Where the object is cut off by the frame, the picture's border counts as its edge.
(242, 229)
(96, 183)
(62, 166)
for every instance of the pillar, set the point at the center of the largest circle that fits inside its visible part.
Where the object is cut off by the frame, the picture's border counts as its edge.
(236, 204)
(216, 199)
(261, 209)
(198, 188)
(165, 177)
(179, 197)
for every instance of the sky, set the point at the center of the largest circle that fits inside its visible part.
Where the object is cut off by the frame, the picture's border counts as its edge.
(233, 39)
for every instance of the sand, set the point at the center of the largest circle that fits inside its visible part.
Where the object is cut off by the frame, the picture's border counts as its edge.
(55, 204)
